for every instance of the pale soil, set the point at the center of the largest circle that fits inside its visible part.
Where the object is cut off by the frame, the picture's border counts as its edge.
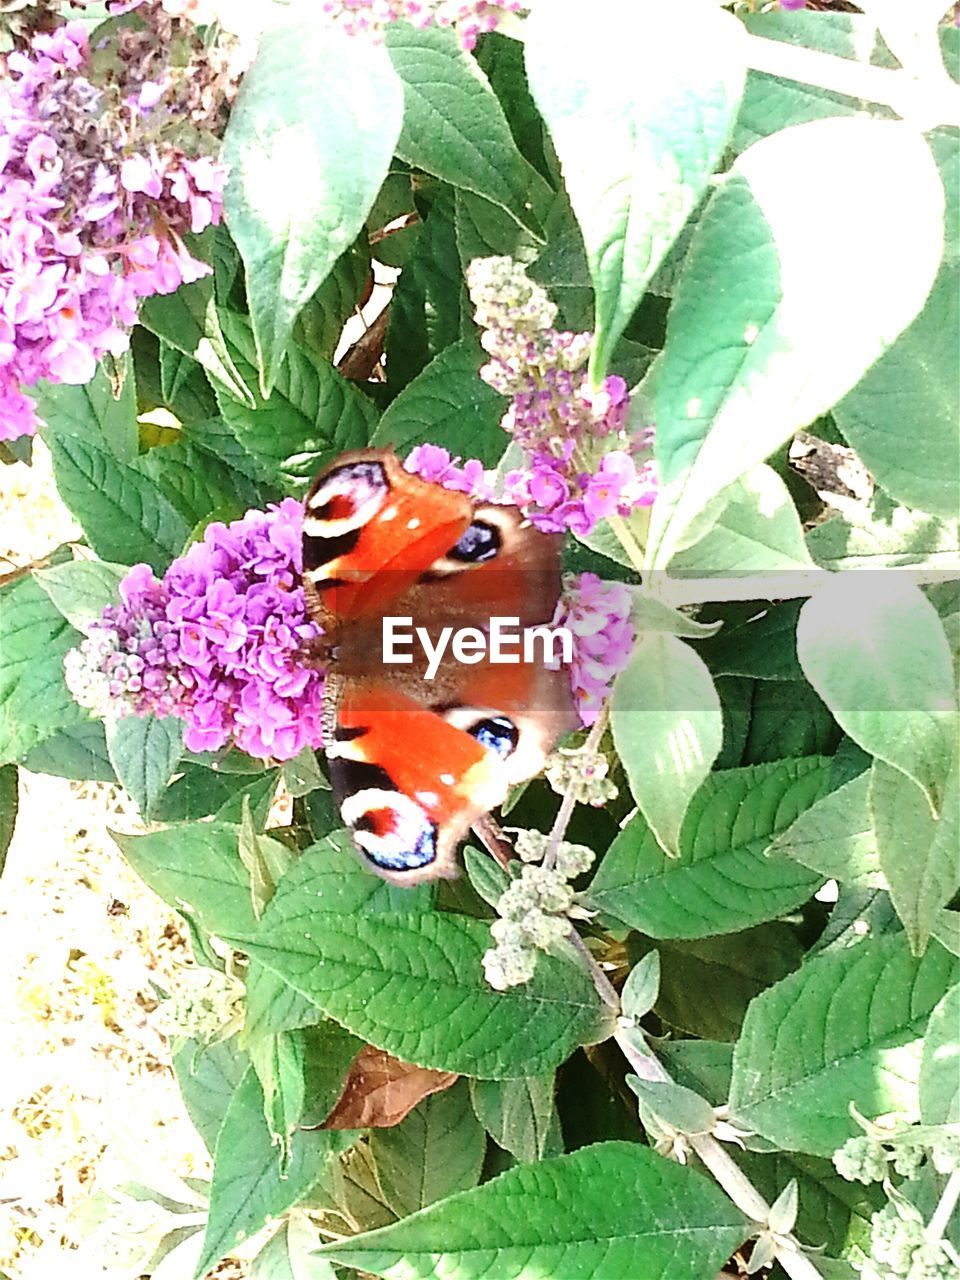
(88, 1101)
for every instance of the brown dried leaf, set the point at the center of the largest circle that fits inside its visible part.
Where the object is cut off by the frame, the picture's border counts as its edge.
(380, 1091)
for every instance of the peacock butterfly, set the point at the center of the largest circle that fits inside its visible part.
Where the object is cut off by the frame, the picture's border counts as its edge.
(418, 753)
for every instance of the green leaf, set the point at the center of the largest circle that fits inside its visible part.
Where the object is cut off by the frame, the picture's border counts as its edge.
(667, 727)
(197, 865)
(707, 983)
(248, 1186)
(758, 531)
(9, 803)
(145, 751)
(674, 1104)
(290, 1254)
(721, 881)
(903, 417)
(198, 485)
(93, 411)
(278, 1062)
(328, 1053)
(448, 401)
(638, 142)
(330, 874)
(641, 988)
(762, 646)
(845, 1028)
(940, 1066)
(453, 125)
(312, 414)
(650, 614)
(874, 649)
(414, 985)
(519, 1115)
(917, 853)
(187, 321)
(880, 535)
(751, 352)
(81, 589)
(207, 1076)
(77, 751)
(122, 511)
(835, 837)
(435, 1151)
(298, 125)
(34, 701)
(563, 1217)
(827, 1202)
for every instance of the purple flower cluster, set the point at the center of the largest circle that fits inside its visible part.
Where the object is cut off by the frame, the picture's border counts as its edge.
(597, 614)
(91, 215)
(469, 18)
(431, 462)
(214, 642)
(582, 464)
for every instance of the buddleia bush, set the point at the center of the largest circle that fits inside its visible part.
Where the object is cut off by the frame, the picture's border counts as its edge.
(680, 281)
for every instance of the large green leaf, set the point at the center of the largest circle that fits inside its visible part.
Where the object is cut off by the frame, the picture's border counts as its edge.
(520, 1115)
(881, 535)
(249, 1187)
(300, 126)
(615, 1210)
(187, 323)
(940, 1066)
(207, 1076)
(706, 984)
(197, 865)
(721, 881)
(77, 751)
(903, 417)
(667, 727)
(453, 125)
(9, 803)
(845, 1028)
(121, 509)
(447, 402)
(436, 1150)
(34, 701)
(81, 589)
(917, 853)
(144, 751)
(752, 352)
(414, 985)
(758, 531)
(835, 837)
(637, 141)
(94, 411)
(311, 415)
(873, 647)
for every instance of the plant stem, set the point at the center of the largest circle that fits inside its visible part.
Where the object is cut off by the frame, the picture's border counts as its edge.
(569, 802)
(937, 1226)
(929, 101)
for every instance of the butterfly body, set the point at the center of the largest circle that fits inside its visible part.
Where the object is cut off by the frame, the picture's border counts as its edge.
(416, 757)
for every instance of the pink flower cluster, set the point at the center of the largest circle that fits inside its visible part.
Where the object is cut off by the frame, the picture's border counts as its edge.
(597, 614)
(431, 462)
(582, 464)
(90, 219)
(214, 642)
(469, 18)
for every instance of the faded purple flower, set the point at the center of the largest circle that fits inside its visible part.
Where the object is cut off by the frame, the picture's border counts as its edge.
(597, 614)
(582, 464)
(91, 218)
(469, 18)
(215, 641)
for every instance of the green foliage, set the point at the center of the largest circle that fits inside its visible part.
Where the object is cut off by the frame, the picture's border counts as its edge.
(775, 888)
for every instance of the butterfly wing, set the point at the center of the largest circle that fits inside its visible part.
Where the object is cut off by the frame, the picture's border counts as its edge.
(413, 762)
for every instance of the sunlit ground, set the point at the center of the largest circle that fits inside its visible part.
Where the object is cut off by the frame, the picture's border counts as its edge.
(88, 1102)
